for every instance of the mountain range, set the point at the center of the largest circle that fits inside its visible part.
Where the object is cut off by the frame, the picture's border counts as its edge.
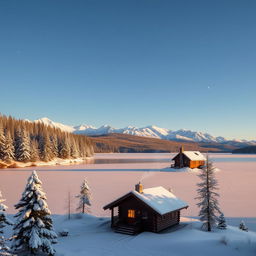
(148, 131)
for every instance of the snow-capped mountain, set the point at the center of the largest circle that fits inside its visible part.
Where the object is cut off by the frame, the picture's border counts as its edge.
(148, 131)
(154, 132)
(49, 122)
(194, 136)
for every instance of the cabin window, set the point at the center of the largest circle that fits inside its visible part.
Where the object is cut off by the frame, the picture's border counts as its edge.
(131, 213)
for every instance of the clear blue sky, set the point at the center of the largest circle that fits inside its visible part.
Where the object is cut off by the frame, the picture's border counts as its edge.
(175, 64)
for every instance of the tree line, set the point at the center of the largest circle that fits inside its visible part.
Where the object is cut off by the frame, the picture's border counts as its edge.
(27, 141)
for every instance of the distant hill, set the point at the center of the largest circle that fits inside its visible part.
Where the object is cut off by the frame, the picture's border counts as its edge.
(116, 142)
(245, 150)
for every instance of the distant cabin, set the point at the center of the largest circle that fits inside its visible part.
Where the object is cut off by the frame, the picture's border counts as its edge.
(191, 159)
(151, 209)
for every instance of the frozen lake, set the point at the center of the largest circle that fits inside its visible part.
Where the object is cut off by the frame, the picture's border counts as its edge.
(166, 158)
(112, 175)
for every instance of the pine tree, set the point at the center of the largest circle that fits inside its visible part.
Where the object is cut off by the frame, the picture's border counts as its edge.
(2, 142)
(73, 149)
(34, 151)
(45, 148)
(22, 146)
(64, 148)
(8, 148)
(4, 249)
(222, 222)
(208, 197)
(54, 146)
(89, 148)
(33, 231)
(81, 148)
(84, 197)
(242, 226)
(69, 205)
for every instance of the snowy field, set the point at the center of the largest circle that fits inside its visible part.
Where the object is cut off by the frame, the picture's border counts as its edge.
(92, 236)
(109, 181)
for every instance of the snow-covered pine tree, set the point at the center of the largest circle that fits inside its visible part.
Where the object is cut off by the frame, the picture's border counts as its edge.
(34, 151)
(45, 148)
(73, 149)
(8, 148)
(33, 231)
(222, 222)
(207, 195)
(242, 226)
(4, 249)
(81, 148)
(54, 146)
(2, 142)
(64, 148)
(89, 148)
(22, 146)
(84, 197)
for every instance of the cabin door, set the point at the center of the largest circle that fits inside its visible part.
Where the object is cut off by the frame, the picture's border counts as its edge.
(131, 216)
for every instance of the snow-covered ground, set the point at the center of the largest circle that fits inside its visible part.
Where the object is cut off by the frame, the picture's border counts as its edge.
(54, 162)
(93, 236)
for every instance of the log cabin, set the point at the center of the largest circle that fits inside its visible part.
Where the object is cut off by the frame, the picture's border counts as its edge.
(152, 209)
(191, 159)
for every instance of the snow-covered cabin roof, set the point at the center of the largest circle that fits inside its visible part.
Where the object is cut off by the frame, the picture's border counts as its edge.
(194, 155)
(157, 198)
(160, 199)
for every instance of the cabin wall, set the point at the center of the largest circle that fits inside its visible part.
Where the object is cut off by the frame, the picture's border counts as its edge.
(187, 162)
(196, 164)
(144, 215)
(167, 220)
